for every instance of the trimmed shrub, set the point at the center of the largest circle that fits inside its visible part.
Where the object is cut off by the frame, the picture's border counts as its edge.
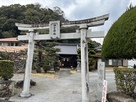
(46, 68)
(6, 69)
(121, 38)
(125, 80)
(92, 64)
(56, 65)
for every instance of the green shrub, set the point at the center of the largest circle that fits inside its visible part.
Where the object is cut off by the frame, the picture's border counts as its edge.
(91, 68)
(92, 64)
(121, 38)
(125, 80)
(6, 69)
(46, 68)
(56, 64)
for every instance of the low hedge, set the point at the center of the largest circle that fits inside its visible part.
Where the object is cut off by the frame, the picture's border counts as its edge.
(56, 64)
(46, 68)
(6, 69)
(125, 80)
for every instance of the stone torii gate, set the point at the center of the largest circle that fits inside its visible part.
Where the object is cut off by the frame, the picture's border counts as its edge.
(54, 33)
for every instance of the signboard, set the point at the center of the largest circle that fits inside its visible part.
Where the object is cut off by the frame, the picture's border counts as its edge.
(110, 62)
(54, 29)
(104, 94)
(101, 77)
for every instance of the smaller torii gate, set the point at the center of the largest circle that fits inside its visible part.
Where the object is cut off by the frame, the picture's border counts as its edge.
(54, 33)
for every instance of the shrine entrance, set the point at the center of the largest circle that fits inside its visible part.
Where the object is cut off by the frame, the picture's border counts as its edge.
(82, 33)
(68, 61)
(68, 54)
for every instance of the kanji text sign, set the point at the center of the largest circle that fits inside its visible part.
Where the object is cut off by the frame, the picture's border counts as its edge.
(54, 29)
(101, 77)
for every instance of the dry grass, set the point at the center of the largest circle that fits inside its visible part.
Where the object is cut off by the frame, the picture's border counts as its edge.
(73, 71)
(48, 75)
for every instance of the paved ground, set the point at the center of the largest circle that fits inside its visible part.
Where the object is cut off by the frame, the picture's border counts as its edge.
(61, 87)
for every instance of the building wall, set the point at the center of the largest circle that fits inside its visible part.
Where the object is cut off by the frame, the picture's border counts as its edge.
(10, 44)
(115, 62)
(125, 63)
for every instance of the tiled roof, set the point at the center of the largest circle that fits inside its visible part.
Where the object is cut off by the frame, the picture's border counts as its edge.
(8, 39)
(99, 48)
(69, 50)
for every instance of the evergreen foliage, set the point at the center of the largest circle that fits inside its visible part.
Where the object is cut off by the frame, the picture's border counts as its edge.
(46, 68)
(125, 80)
(121, 38)
(91, 55)
(29, 14)
(96, 44)
(6, 69)
(45, 55)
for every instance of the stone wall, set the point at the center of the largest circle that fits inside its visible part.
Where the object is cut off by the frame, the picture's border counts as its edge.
(19, 66)
(119, 97)
(6, 89)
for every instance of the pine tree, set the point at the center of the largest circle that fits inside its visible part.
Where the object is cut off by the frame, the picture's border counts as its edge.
(46, 54)
(91, 55)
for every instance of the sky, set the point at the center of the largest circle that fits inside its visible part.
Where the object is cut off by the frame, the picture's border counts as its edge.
(83, 9)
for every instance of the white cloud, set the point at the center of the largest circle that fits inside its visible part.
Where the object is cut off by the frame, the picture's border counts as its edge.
(82, 9)
(133, 2)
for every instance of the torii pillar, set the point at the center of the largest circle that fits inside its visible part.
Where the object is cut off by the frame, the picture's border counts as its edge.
(28, 68)
(84, 64)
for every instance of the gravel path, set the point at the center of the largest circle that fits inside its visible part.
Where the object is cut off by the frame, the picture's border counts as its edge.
(64, 87)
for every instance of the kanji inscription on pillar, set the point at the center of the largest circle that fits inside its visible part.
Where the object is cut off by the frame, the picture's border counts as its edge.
(101, 77)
